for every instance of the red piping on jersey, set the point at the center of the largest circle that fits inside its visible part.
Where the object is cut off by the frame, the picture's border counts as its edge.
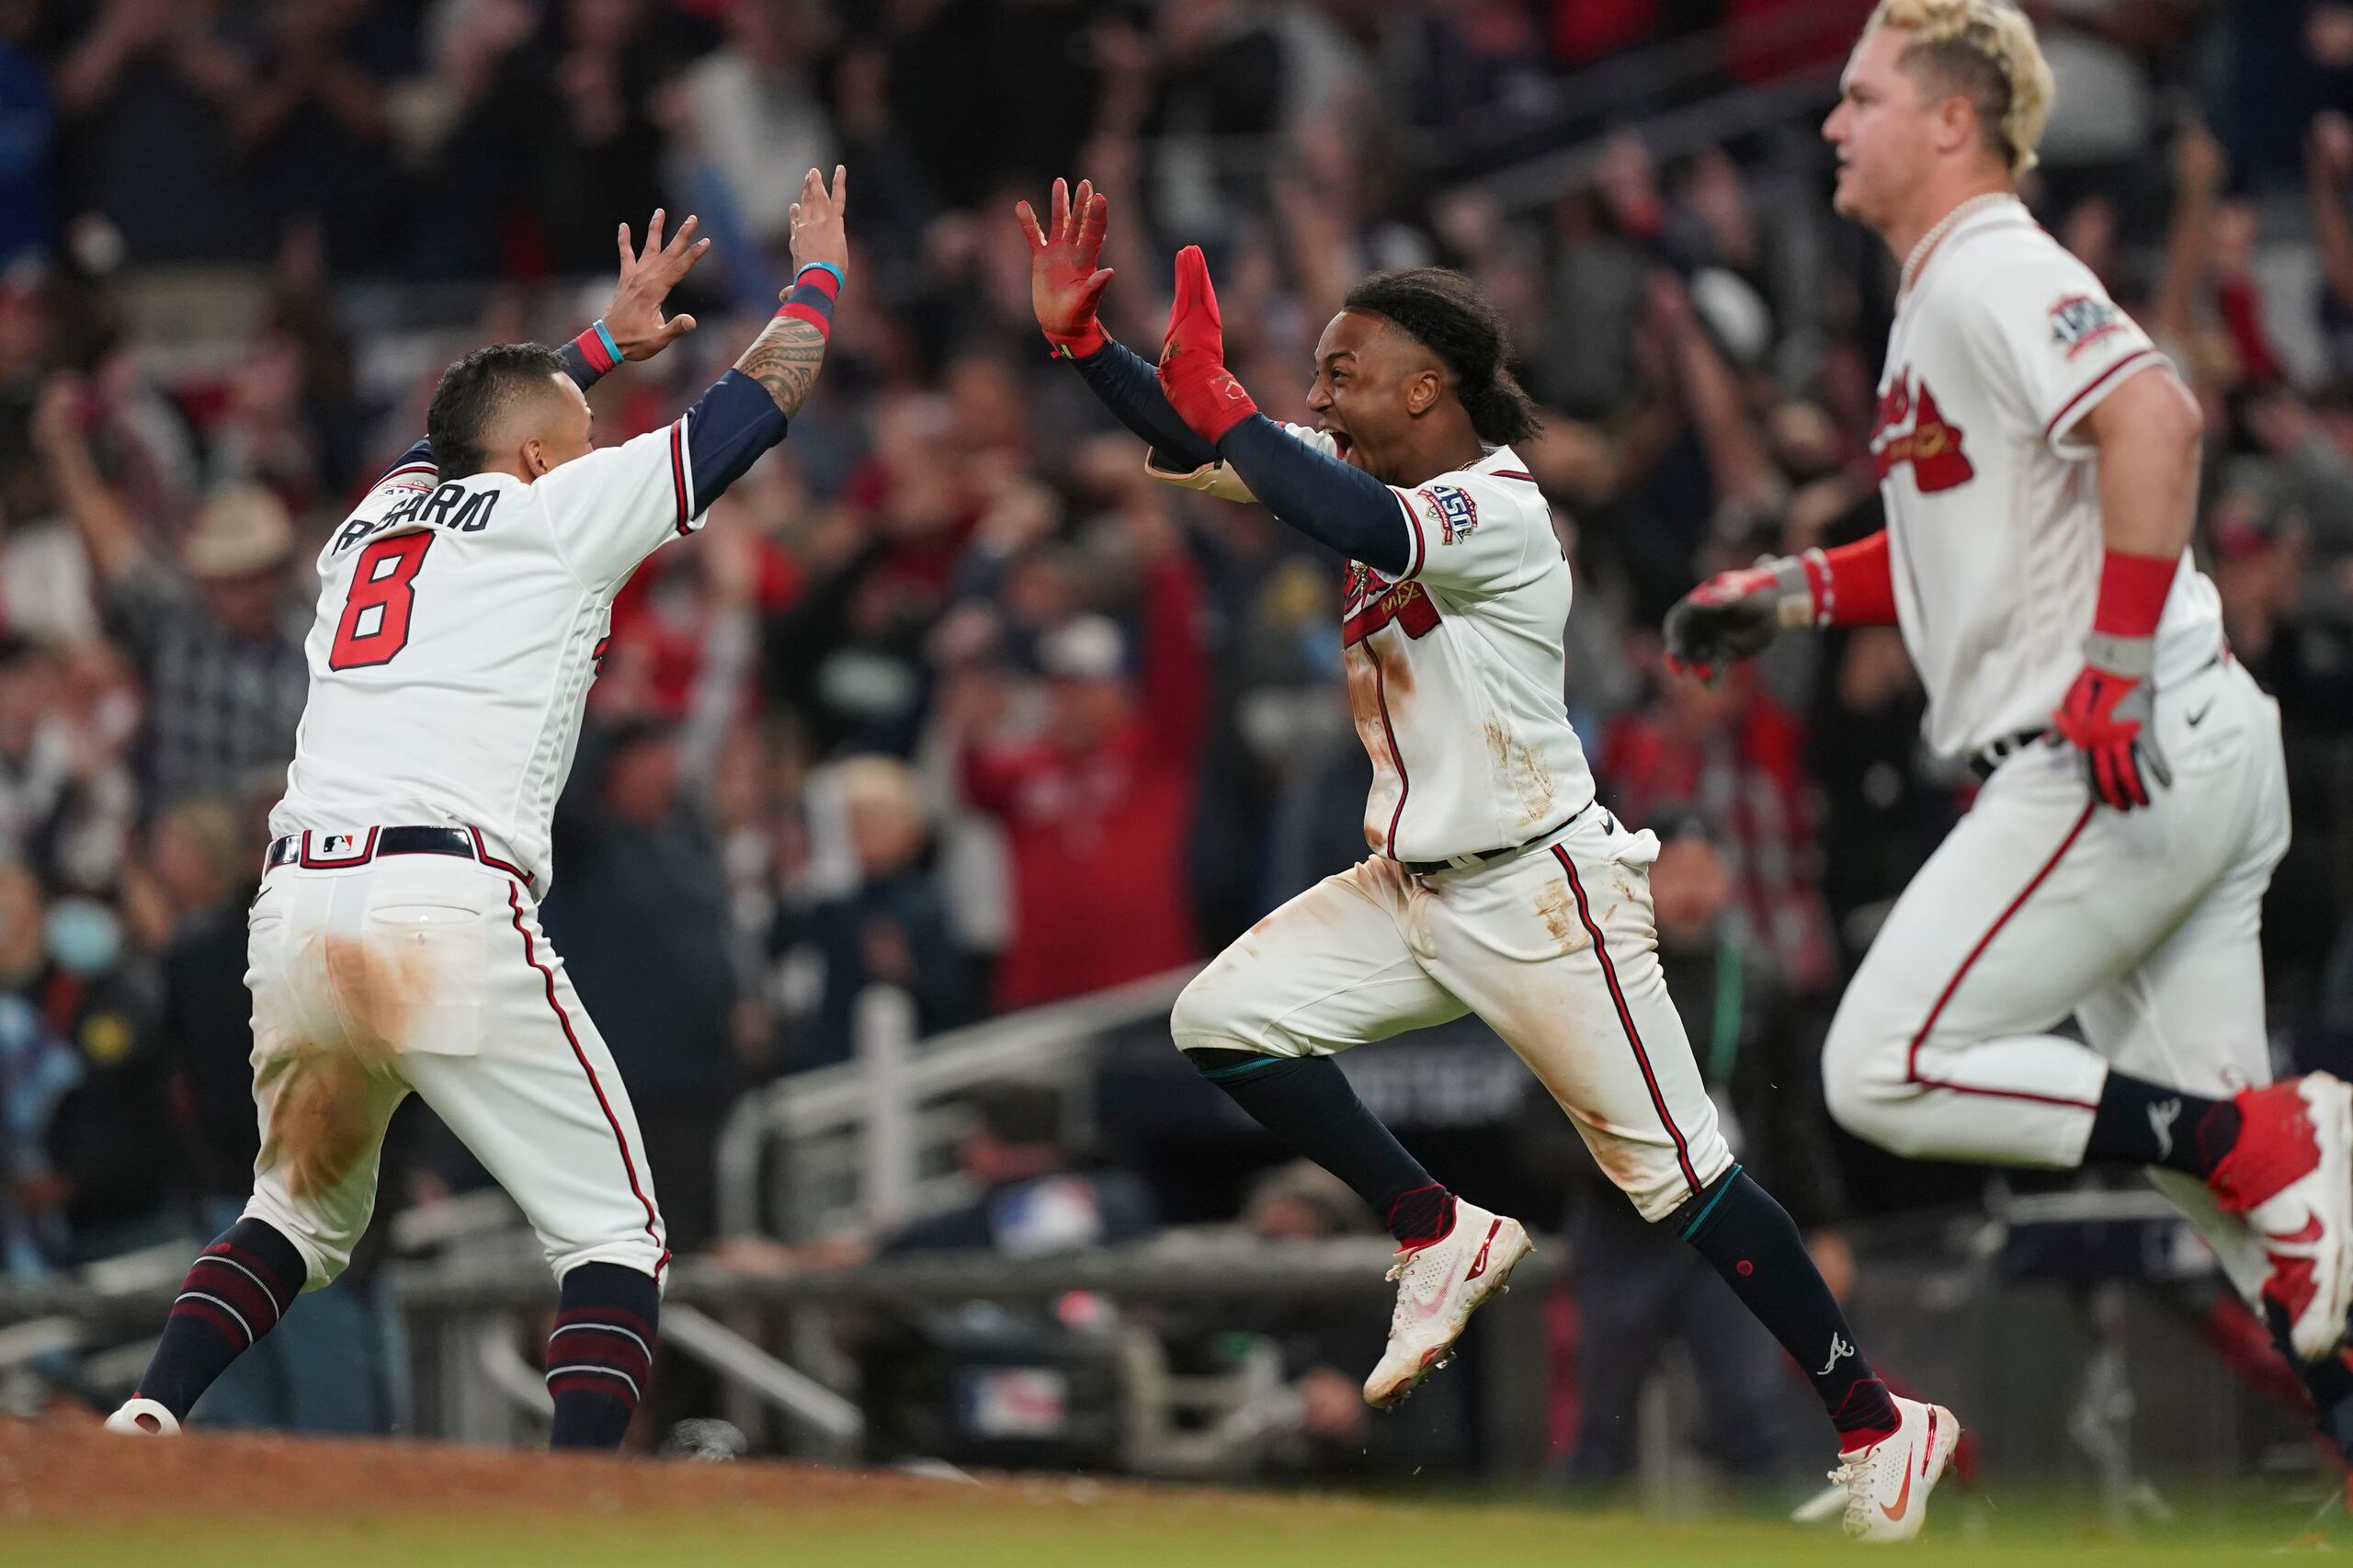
(1405, 784)
(514, 903)
(1510, 474)
(1626, 1020)
(2131, 361)
(1911, 1055)
(406, 468)
(678, 472)
(482, 854)
(366, 853)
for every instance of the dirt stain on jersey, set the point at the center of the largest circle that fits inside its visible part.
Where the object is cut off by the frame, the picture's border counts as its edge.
(1519, 768)
(1557, 908)
(318, 1123)
(379, 987)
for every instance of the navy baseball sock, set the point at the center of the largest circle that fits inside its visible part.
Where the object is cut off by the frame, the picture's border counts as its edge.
(235, 1293)
(1308, 1103)
(1752, 1241)
(2141, 1123)
(601, 1356)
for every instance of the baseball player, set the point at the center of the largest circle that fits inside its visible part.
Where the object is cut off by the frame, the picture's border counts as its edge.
(2037, 458)
(394, 945)
(1497, 884)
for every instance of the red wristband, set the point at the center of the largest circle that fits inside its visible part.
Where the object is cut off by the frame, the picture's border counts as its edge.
(1853, 584)
(2132, 592)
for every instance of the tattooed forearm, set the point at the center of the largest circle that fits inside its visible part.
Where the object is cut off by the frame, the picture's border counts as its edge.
(784, 358)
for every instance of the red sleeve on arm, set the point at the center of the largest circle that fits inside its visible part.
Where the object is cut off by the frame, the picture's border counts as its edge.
(1176, 664)
(1853, 584)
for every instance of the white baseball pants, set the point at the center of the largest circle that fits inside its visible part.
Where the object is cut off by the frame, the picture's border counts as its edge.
(430, 973)
(1554, 949)
(2144, 926)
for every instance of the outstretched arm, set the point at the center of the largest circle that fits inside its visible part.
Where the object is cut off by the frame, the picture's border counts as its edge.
(633, 326)
(1065, 286)
(785, 357)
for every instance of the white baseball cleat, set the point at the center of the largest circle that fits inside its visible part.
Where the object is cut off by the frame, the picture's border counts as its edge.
(2290, 1174)
(144, 1418)
(1439, 1287)
(1888, 1483)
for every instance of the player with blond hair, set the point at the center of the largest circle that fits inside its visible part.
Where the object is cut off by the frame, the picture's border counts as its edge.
(2038, 460)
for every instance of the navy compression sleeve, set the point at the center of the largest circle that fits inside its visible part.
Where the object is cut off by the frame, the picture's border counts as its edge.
(727, 430)
(1126, 383)
(1322, 497)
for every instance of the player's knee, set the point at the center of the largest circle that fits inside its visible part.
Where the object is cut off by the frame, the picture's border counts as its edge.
(324, 1249)
(1208, 1015)
(1863, 1081)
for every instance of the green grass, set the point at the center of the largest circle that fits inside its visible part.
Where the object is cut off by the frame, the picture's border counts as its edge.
(1049, 1525)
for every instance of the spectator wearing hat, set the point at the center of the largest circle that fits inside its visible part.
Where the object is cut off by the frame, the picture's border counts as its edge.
(219, 645)
(1097, 808)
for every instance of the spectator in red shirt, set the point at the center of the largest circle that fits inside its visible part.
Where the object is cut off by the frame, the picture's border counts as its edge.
(1739, 756)
(1097, 805)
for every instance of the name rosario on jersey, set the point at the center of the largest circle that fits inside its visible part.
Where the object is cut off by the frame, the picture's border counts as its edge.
(448, 506)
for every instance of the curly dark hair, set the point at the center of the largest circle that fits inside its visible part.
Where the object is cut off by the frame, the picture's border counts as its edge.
(475, 392)
(1444, 313)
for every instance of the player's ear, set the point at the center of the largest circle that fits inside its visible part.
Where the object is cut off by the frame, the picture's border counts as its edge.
(1421, 392)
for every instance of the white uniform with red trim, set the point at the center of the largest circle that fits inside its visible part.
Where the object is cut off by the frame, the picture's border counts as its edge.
(459, 625)
(1456, 677)
(2142, 926)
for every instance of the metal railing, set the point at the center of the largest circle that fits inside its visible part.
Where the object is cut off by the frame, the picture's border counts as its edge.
(869, 1143)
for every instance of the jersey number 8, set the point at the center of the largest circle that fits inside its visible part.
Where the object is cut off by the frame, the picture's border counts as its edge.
(383, 590)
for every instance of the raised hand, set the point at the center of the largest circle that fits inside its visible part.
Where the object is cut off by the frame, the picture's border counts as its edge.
(817, 232)
(634, 316)
(1735, 615)
(1065, 286)
(1204, 393)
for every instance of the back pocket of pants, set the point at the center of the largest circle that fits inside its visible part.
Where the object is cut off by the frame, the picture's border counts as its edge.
(412, 983)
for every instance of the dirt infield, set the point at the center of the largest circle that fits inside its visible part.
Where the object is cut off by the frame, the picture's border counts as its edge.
(70, 1468)
(72, 1496)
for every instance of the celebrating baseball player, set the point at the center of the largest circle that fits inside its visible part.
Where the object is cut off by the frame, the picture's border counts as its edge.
(2038, 459)
(395, 945)
(1497, 884)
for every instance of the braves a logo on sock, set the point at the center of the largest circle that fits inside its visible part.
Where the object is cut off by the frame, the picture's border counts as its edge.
(2162, 1116)
(1839, 1351)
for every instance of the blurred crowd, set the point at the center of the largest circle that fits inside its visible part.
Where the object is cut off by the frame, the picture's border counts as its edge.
(949, 696)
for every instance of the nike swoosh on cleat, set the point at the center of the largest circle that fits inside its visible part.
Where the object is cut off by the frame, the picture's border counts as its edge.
(1479, 1264)
(1903, 1504)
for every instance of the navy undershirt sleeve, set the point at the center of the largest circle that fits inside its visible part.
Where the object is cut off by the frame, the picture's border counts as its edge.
(420, 453)
(1130, 388)
(727, 430)
(1321, 496)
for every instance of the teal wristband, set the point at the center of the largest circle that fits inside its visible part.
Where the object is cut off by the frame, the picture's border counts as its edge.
(840, 281)
(604, 336)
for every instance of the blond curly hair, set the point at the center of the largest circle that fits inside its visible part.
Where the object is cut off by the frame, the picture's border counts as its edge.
(1984, 50)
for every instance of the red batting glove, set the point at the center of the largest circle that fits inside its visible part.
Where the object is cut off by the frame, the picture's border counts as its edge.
(1204, 393)
(2109, 716)
(1065, 286)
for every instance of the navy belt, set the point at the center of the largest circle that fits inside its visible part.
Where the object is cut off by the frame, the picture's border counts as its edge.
(340, 851)
(1490, 857)
(1990, 757)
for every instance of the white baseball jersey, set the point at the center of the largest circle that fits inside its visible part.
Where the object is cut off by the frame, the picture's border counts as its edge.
(1456, 669)
(459, 625)
(2004, 345)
